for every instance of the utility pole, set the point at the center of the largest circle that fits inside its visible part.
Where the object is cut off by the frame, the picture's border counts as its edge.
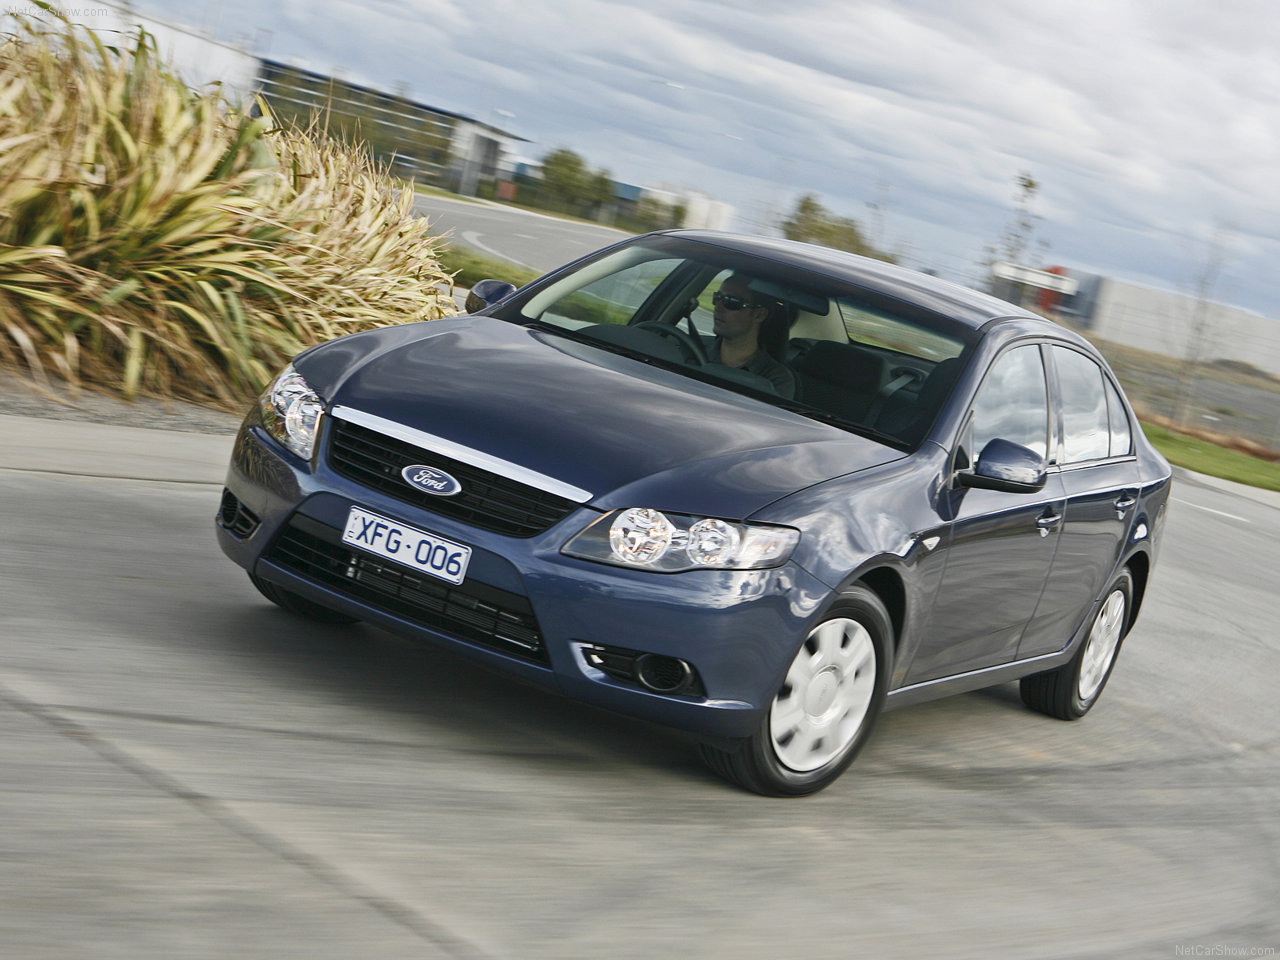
(1206, 279)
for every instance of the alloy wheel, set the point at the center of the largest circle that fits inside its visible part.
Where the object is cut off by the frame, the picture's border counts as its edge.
(1100, 650)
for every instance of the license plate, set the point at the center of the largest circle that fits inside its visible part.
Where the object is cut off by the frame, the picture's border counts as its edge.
(416, 549)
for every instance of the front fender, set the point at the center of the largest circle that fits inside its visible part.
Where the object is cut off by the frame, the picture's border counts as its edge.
(848, 523)
(883, 526)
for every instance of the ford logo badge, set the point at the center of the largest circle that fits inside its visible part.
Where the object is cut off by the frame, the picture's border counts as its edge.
(430, 480)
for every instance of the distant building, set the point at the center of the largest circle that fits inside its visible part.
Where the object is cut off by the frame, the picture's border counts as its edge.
(638, 208)
(431, 145)
(1168, 323)
(700, 211)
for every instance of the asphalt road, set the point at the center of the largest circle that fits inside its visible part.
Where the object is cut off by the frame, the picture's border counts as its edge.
(189, 772)
(509, 233)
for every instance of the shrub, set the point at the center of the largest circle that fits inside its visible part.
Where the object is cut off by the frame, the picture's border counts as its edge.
(155, 240)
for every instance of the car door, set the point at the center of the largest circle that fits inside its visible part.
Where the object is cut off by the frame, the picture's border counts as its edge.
(1098, 477)
(1000, 546)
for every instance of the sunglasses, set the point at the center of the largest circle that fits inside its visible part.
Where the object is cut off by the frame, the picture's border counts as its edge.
(729, 302)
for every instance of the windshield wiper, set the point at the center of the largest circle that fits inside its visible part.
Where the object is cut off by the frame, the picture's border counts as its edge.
(853, 426)
(609, 346)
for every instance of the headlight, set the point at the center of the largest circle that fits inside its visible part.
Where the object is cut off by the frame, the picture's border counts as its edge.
(291, 412)
(652, 540)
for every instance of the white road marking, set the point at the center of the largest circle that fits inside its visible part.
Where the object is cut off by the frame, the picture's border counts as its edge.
(473, 239)
(1221, 513)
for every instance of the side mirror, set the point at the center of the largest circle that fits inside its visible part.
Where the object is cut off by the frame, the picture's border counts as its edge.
(486, 293)
(1006, 466)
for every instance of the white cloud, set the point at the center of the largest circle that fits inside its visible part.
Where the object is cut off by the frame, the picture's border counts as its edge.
(1146, 123)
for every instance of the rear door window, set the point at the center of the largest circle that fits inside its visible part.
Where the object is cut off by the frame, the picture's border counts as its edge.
(1086, 425)
(1121, 429)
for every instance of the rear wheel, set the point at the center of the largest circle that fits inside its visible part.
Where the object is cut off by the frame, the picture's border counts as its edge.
(295, 604)
(1069, 692)
(824, 710)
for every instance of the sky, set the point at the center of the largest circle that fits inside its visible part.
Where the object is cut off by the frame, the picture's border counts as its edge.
(1151, 126)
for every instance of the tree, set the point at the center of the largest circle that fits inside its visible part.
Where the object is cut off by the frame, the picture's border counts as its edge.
(1207, 274)
(650, 213)
(1017, 243)
(811, 222)
(570, 186)
(599, 190)
(565, 177)
(1018, 235)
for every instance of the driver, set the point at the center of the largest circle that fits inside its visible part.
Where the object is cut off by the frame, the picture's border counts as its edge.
(739, 315)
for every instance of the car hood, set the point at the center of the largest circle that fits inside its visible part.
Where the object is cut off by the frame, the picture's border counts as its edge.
(629, 433)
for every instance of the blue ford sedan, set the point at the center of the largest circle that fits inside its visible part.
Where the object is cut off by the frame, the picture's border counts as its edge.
(756, 490)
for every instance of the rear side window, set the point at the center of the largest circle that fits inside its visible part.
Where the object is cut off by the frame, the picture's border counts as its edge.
(877, 328)
(1086, 423)
(1121, 430)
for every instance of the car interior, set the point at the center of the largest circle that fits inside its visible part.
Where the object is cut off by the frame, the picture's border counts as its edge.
(854, 363)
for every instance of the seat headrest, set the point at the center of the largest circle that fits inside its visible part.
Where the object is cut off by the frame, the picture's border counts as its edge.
(939, 382)
(829, 361)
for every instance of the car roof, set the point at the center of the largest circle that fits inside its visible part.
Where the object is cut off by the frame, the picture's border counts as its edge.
(970, 307)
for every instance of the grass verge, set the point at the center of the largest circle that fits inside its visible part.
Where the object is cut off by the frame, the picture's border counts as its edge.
(1212, 459)
(468, 268)
(429, 191)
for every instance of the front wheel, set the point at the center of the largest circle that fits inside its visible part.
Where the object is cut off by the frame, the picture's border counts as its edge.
(824, 710)
(1069, 692)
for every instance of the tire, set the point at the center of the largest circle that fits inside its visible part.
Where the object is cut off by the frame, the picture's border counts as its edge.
(1069, 692)
(299, 606)
(824, 709)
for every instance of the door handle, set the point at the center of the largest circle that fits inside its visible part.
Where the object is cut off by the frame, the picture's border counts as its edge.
(1124, 503)
(1048, 523)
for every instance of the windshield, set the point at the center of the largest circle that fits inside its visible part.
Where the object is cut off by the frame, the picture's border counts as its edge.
(803, 341)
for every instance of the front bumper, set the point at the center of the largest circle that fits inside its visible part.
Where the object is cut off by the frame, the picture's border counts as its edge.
(738, 629)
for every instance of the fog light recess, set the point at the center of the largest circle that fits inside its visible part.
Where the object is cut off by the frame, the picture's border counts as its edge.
(663, 674)
(669, 676)
(235, 517)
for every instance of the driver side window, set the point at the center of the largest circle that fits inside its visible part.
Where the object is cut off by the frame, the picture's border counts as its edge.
(1012, 403)
(703, 314)
(614, 298)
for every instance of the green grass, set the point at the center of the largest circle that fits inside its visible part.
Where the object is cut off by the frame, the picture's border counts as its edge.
(429, 191)
(1208, 458)
(469, 268)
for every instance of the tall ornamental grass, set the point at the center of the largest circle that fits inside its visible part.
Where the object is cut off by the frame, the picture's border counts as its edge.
(155, 241)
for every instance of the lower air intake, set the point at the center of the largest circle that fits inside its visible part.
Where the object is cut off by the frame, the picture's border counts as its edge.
(472, 611)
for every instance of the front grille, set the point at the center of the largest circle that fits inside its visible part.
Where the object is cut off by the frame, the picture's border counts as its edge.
(474, 611)
(488, 500)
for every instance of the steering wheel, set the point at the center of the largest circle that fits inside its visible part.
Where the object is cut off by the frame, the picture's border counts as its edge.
(692, 345)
